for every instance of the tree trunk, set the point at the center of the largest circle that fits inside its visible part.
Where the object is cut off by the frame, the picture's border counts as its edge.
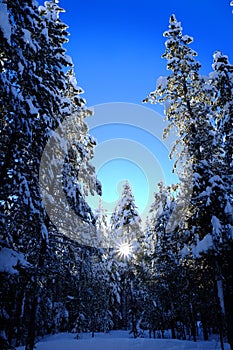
(221, 302)
(19, 317)
(193, 323)
(229, 304)
(205, 329)
(30, 343)
(31, 337)
(194, 331)
(173, 331)
(229, 318)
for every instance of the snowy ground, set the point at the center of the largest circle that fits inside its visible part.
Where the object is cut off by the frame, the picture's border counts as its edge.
(120, 340)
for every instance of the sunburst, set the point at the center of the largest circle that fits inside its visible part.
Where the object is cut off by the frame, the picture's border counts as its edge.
(124, 250)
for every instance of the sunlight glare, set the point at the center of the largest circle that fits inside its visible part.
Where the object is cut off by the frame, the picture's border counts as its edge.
(124, 250)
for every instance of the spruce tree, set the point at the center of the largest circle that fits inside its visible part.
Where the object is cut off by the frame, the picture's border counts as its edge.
(166, 269)
(38, 92)
(125, 220)
(188, 100)
(103, 234)
(126, 231)
(222, 80)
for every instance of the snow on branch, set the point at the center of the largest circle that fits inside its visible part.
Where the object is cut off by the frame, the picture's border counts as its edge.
(4, 22)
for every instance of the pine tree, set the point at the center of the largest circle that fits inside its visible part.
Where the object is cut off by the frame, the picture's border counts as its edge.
(125, 220)
(184, 95)
(166, 269)
(188, 99)
(102, 228)
(222, 80)
(126, 231)
(38, 92)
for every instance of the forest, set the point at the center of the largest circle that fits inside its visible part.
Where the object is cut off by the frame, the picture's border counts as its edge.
(172, 273)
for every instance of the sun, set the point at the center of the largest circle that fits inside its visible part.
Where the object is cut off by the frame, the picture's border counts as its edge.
(124, 250)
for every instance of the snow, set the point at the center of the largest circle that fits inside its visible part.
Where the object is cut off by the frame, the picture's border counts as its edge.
(203, 245)
(185, 251)
(45, 33)
(4, 22)
(9, 259)
(27, 38)
(116, 340)
(216, 225)
(228, 209)
(220, 295)
(161, 82)
(68, 59)
(167, 105)
(32, 108)
(44, 232)
(21, 68)
(187, 38)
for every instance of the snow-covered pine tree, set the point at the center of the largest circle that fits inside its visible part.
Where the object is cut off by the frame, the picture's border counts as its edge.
(175, 295)
(144, 266)
(125, 226)
(78, 173)
(187, 97)
(125, 220)
(35, 98)
(102, 228)
(23, 214)
(148, 242)
(222, 80)
(166, 271)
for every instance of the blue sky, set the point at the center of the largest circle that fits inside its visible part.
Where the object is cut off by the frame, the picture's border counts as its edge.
(116, 47)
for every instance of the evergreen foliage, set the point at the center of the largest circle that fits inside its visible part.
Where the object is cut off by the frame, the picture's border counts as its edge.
(203, 126)
(38, 92)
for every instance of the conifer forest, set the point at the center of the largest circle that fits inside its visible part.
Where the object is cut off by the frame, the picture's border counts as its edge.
(173, 272)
